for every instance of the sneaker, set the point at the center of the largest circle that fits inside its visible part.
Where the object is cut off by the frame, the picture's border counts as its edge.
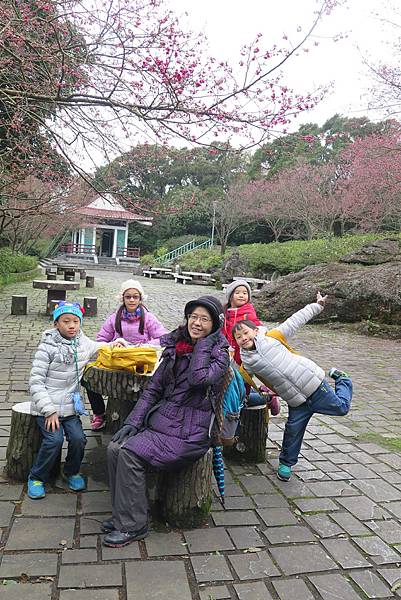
(118, 539)
(98, 422)
(36, 489)
(337, 374)
(107, 526)
(274, 405)
(284, 472)
(76, 483)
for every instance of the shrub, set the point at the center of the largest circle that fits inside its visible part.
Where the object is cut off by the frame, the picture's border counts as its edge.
(288, 257)
(176, 242)
(15, 263)
(201, 260)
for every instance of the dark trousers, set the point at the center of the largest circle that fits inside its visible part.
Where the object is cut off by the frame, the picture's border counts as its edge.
(324, 401)
(96, 401)
(52, 442)
(127, 479)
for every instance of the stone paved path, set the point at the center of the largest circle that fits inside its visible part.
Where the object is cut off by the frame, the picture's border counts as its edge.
(332, 532)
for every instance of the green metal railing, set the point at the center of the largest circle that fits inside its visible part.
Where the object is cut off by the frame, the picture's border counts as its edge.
(169, 257)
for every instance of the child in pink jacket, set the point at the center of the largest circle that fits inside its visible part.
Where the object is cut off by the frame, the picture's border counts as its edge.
(133, 322)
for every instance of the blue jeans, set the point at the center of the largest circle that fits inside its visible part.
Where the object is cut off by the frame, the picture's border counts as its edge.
(255, 399)
(52, 442)
(323, 401)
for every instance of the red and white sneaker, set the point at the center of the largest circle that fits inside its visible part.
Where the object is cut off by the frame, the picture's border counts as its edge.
(98, 422)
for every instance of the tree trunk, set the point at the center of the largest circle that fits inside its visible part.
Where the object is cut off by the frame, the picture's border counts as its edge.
(23, 443)
(183, 498)
(19, 305)
(122, 389)
(251, 446)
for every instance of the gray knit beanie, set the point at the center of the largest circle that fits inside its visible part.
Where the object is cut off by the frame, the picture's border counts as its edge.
(233, 285)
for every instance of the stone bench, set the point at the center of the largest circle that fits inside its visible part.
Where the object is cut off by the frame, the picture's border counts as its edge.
(181, 278)
(56, 290)
(254, 282)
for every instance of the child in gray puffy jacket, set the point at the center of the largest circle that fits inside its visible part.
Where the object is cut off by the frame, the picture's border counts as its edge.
(56, 372)
(296, 379)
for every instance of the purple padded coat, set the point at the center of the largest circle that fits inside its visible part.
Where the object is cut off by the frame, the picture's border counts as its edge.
(175, 411)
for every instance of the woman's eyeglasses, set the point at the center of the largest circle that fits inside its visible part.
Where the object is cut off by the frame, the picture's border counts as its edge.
(203, 320)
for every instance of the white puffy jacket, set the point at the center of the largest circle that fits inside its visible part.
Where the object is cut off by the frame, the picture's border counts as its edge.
(54, 376)
(293, 377)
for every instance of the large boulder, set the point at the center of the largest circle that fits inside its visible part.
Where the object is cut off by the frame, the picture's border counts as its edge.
(233, 266)
(375, 253)
(356, 292)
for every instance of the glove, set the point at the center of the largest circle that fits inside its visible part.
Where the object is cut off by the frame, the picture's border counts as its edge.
(264, 390)
(125, 432)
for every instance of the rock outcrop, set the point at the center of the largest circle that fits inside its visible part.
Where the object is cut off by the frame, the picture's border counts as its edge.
(362, 286)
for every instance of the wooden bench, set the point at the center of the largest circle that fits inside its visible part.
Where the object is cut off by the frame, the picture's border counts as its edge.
(181, 278)
(149, 274)
(254, 282)
(56, 290)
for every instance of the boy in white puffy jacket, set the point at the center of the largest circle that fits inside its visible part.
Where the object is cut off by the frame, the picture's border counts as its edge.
(296, 379)
(54, 383)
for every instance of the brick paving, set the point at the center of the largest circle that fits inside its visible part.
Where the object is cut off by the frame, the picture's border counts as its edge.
(332, 532)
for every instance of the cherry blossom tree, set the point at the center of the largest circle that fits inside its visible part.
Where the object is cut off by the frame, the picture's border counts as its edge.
(370, 181)
(95, 75)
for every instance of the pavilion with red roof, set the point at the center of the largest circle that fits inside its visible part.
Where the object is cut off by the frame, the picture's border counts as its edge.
(104, 231)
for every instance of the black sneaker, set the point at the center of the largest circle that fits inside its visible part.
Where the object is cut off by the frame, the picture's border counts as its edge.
(107, 526)
(337, 374)
(118, 539)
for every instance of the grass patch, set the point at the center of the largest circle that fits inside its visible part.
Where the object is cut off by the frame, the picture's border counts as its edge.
(380, 440)
(17, 277)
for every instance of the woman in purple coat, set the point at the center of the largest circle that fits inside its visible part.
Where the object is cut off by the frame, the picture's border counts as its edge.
(170, 425)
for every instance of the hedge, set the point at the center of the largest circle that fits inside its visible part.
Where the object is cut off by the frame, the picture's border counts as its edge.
(286, 257)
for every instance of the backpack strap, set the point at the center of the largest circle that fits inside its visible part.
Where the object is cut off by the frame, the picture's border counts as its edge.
(277, 335)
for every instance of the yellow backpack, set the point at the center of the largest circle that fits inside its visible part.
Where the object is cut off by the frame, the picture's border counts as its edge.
(277, 335)
(136, 360)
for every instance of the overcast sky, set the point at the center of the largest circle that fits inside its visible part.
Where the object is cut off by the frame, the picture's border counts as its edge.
(228, 24)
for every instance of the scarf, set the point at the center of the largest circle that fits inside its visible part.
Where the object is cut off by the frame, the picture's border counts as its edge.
(182, 347)
(128, 316)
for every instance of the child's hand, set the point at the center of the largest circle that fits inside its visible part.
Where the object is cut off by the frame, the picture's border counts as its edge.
(119, 343)
(321, 299)
(52, 423)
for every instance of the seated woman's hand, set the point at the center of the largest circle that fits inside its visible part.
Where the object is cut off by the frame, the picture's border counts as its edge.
(126, 431)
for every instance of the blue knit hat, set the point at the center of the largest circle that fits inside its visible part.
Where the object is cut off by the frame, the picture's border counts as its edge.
(71, 308)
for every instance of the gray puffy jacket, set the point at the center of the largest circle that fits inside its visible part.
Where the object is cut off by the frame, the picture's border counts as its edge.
(54, 376)
(293, 377)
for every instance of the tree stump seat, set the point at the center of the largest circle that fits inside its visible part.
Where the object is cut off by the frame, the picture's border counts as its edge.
(182, 498)
(90, 306)
(122, 389)
(24, 443)
(251, 444)
(19, 305)
(90, 281)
